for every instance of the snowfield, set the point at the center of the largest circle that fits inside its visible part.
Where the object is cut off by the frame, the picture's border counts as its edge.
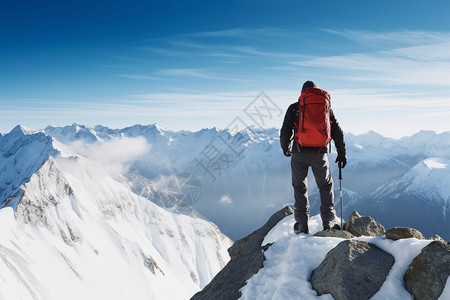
(73, 229)
(292, 258)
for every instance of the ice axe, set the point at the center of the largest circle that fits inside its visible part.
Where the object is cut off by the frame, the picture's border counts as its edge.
(340, 190)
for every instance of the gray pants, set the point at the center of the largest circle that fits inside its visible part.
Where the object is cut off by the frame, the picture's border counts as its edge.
(300, 162)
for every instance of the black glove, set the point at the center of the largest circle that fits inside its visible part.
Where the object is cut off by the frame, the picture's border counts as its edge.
(341, 157)
(287, 153)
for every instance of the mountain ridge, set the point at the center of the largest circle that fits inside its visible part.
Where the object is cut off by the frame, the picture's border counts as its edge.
(68, 220)
(247, 168)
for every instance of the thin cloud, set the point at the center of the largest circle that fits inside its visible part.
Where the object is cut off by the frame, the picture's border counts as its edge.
(225, 200)
(417, 58)
(229, 43)
(139, 77)
(195, 109)
(164, 51)
(199, 73)
(252, 51)
(240, 33)
(390, 67)
(436, 52)
(202, 74)
(387, 100)
(394, 38)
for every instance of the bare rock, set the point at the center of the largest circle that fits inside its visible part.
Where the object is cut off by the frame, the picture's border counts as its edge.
(353, 270)
(253, 241)
(438, 238)
(428, 273)
(342, 234)
(398, 233)
(359, 225)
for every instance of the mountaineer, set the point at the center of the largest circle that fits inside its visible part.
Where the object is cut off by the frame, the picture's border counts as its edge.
(308, 127)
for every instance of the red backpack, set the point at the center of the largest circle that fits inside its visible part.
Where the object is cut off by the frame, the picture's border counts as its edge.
(314, 127)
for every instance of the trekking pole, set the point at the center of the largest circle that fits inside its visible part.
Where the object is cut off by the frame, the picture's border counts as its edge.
(340, 190)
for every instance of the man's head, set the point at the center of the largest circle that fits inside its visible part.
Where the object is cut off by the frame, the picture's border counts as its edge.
(308, 84)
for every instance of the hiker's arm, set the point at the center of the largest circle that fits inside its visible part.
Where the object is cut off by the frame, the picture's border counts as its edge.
(287, 128)
(338, 137)
(337, 134)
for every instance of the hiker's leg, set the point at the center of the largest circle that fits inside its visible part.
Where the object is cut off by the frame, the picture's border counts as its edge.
(300, 183)
(321, 171)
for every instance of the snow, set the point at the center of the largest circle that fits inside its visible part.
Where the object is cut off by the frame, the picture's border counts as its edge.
(372, 138)
(289, 263)
(22, 153)
(434, 163)
(77, 231)
(428, 179)
(292, 258)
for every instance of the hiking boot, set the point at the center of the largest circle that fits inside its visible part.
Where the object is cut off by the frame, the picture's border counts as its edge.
(298, 229)
(335, 226)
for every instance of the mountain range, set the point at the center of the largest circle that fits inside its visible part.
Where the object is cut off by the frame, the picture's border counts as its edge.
(241, 178)
(72, 228)
(132, 209)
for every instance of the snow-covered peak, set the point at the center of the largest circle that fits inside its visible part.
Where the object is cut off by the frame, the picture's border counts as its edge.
(72, 133)
(428, 142)
(90, 135)
(22, 153)
(21, 130)
(422, 136)
(206, 133)
(144, 130)
(428, 179)
(370, 138)
(70, 213)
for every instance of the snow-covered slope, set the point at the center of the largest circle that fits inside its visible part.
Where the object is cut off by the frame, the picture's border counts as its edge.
(420, 198)
(428, 179)
(72, 228)
(236, 171)
(22, 154)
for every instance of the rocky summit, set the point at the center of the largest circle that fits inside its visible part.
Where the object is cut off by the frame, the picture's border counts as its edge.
(352, 270)
(364, 262)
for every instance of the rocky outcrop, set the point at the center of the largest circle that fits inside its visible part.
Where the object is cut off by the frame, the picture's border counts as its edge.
(253, 241)
(398, 233)
(439, 239)
(359, 225)
(428, 273)
(247, 257)
(342, 234)
(352, 270)
(227, 283)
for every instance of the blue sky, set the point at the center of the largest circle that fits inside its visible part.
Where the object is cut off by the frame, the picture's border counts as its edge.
(195, 64)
